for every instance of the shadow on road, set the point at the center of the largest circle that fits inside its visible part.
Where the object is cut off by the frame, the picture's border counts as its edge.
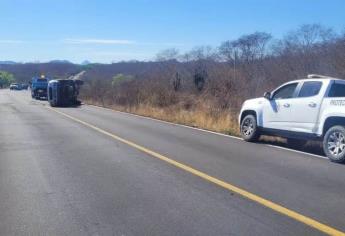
(78, 104)
(71, 106)
(312, 147)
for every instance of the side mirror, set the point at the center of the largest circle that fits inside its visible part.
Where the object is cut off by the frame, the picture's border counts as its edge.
(267, 95)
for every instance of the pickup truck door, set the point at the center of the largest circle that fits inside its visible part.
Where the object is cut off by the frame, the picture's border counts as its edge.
(305, 108)
(276, 113)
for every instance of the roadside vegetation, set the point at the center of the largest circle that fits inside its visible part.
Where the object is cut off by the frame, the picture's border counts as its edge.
(206, 86)
(6, 79)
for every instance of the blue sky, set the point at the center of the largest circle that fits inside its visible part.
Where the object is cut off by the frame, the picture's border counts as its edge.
(110, 30)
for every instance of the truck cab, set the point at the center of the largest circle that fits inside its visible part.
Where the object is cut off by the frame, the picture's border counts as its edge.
(39, 86)
(299, 110)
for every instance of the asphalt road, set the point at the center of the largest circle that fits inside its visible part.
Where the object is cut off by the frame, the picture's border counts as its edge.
(62, 173)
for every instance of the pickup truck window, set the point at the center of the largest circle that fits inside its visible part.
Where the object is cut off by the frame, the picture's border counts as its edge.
(337, 90)
(285, 92)
(310, 89)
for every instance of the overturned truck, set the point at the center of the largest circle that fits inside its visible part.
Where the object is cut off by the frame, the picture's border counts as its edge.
(64, 92)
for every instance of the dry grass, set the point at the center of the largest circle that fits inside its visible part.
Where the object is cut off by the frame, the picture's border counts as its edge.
(200, 117)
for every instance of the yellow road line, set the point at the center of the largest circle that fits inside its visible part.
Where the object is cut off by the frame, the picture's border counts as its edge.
(253, 197)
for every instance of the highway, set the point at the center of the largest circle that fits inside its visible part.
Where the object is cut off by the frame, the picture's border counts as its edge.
(92, 171)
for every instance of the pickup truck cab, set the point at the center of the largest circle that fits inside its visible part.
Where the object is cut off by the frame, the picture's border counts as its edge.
(300, 110)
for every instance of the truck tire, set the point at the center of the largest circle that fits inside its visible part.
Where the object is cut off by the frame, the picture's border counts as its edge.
(334, 144)
(295, 143)
(249, 129)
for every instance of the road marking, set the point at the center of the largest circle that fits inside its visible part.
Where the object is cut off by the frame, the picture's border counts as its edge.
(207, 131)
(296, 151)
(253, 197)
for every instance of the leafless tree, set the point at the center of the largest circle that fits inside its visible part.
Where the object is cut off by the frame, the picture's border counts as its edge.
(177, 82)
(202, 53)
(227, 51)
(252, 46)
(167, 55)
(306, 36)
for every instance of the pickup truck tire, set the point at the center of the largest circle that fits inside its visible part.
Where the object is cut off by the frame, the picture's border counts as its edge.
(295, 143)
(334, 144)
(249, 129)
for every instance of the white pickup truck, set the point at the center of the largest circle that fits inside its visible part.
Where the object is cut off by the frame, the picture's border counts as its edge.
(301, 110)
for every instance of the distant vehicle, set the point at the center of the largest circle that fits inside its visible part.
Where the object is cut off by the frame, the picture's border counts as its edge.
(301, 110)
(25, 86)
(64, 92)
(15, 86)
(39, 87)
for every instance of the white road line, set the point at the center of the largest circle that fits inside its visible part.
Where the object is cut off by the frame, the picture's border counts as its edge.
(207, 131)
(296, 151)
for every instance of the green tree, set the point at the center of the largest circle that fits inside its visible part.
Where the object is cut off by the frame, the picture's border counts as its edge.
(6, 79)
(121, 78)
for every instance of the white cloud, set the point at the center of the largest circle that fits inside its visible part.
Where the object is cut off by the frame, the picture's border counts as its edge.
(99, 41)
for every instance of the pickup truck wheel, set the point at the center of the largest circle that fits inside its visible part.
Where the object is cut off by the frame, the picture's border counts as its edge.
(249, 129)
(295, 143)
(334, 144)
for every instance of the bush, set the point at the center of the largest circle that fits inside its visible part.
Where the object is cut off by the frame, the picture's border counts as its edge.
(6, 79)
